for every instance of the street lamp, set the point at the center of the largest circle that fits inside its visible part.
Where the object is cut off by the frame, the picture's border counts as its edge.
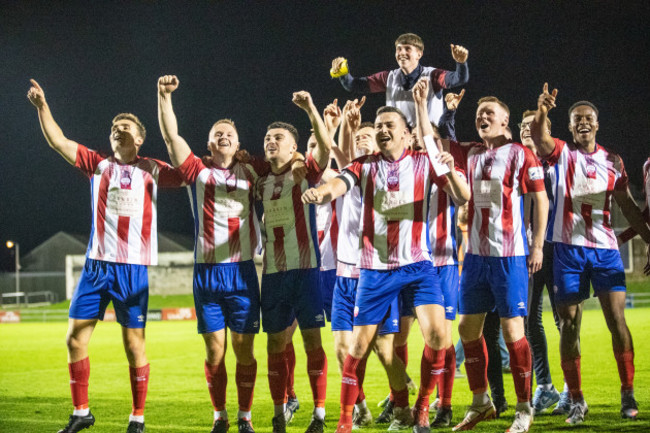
(10, 245)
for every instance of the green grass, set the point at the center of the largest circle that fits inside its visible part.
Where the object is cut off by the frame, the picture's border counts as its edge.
(34, 391)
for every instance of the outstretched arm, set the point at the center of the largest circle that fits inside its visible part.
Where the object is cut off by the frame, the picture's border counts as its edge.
(321, 153)
(539, 133)
(326, 192)
(177, 147)
(51, 130)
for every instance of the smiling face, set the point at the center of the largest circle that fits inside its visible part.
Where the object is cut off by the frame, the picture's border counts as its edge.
(279, 146)
(223, 140)
(491, 120)
(407, 56)
(125, 136)
(391, 134)
(524, 132)
(583, 124)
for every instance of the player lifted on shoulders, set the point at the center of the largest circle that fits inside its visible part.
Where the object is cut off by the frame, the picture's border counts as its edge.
(588, 176)
(399, 82)
(226, 290)
(394, 256)
(123, 242)
(495, 272)
(290, 284)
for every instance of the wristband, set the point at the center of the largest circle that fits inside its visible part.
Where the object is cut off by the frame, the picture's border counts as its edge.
(343, 70)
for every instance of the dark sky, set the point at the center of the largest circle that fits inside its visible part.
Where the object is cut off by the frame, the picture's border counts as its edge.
(243, 59)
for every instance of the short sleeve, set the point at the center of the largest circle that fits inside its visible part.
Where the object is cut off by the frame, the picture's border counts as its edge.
(314, 172)
(554, 156)
(622, 180)
(531, 173)
(168, 176)
(87, 160)
(191, 168)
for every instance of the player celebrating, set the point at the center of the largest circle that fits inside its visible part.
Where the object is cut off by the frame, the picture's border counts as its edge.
(123, 243)
(226, 291)
(399, 82)
(588, 176)
(290, 284)
(394, 256)
(495, 274)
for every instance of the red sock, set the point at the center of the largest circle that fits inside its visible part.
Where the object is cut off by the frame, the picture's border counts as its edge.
(446, 384)
(317, 372)
(349, 388)
(245, 377)
(217, 379)
(476, 364)
(402, 353)
(139, 383)
(361, 375)
(290, 356)
(572, 377)
(625, 363)
(521, 365)
(277, 366)
(401, 397)
(431, 368)
(79, 374)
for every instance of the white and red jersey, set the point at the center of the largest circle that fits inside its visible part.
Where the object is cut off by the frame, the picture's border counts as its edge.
(327, 225)
(349, 232)
(290, 226)
(583, 196)
(123, 200)
(646, 183)
(442, 229)
(498, 179)
(394, 214)
(226, 229)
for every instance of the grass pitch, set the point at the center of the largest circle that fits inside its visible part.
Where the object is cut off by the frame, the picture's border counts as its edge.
(35, 396)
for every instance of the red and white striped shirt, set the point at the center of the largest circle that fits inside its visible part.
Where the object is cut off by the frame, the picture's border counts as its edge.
(498, 179)
(394, 213)
(291, 236)
(583, 199)
(327, 224)
(349, 231)
(226, 228)
(442, 229)
(123, 196)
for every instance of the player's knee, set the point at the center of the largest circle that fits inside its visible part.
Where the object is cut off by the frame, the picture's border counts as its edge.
(74, 343)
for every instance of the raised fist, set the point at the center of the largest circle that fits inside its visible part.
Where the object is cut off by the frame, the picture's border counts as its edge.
(459, 53)
(302, 99)
(167, 84)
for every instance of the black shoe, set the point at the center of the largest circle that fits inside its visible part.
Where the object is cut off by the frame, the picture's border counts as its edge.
(135, 427)
(244, 426)
(501, 406)
(386, 415)
(315, 426)
(78, 423)
(220, 426)
(279, 424)
(443, 417)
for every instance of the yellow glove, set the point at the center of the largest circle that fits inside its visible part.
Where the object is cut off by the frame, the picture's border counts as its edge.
(342, 70)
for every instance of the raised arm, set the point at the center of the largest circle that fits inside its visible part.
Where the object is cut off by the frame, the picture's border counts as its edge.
(460, 76)
(321, 153)
(371, 84)
(51, 130)
(332, 117)
(538, 130)
(177, 147)
(447, 122)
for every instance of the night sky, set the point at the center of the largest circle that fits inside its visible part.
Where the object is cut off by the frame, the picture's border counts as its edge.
(243, 60)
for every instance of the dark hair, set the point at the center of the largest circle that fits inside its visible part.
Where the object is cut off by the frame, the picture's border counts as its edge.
(366, 125)
(410, 39)
(532, 113)
(133, 118)
(579, 103)
(286, 126)
(389, 109)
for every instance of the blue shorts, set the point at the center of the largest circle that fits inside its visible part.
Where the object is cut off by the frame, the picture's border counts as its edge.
(290, 295)
(345, 294)
(489, 282)
(446, 277)
(327, 281)
(227, 294)
(102, 282)
(377, 290)
(575, 267)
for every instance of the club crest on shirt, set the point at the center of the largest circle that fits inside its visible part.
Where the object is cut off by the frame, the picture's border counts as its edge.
(277, 190)
(125, 179)
(392, 182)
(231, 183)
(487, 168)
(591, 170)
